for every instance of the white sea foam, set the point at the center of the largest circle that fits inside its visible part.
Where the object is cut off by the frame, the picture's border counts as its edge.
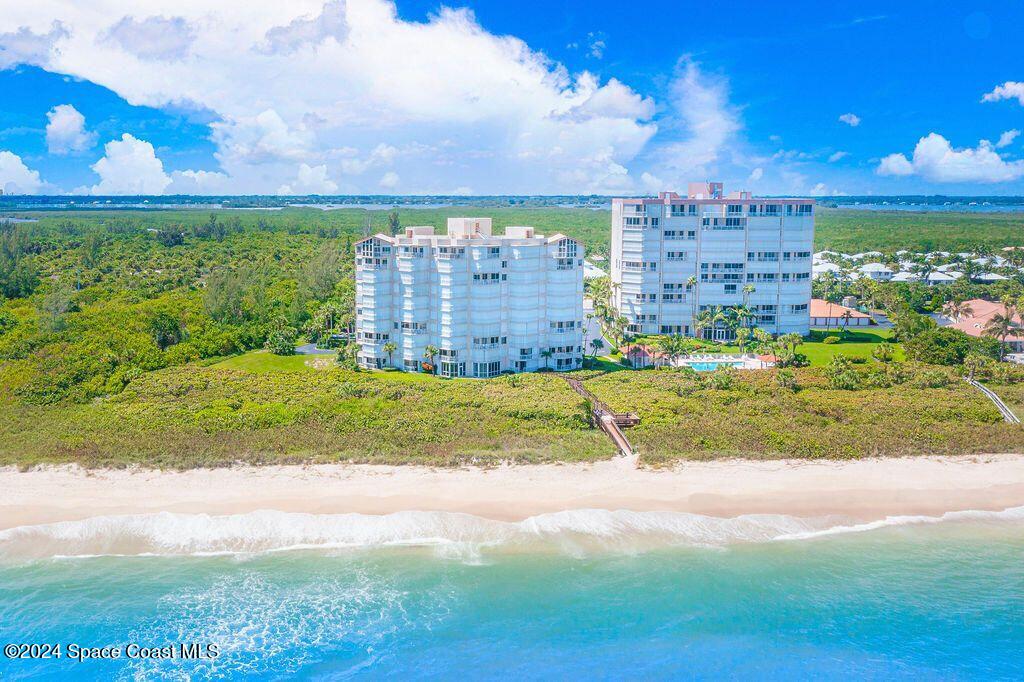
(575, 532)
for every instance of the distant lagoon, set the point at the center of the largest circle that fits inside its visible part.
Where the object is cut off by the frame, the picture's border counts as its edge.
(954, 207)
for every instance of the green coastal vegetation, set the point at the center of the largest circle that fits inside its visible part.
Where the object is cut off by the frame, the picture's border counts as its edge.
(165, 338)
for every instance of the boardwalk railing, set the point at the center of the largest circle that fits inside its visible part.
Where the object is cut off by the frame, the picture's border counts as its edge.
(605, 419)
(1008, 416)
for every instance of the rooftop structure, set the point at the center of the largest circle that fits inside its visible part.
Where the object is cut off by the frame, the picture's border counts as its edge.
(488, 303)
(674, 257)
(828, 315)
(981, 312)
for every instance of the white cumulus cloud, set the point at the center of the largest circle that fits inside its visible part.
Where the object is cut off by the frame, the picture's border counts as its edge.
(199, 182)
(310, 180)
(22, 45)
(65, 131)
(756, 174)
(389, 180)
(1008, 90)
(701, 129)
(837, 156)
(313, 82)
(130, 166)
(852, 120)
(16, 177)
(936, 160)
(1007, 138)
(152, 38)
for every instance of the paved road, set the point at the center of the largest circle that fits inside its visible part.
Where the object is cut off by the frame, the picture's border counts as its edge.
(311, 349)
(593, 328)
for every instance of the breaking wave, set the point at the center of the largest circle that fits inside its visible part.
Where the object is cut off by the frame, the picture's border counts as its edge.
(576, 532)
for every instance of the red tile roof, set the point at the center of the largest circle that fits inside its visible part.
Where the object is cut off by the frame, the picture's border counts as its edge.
(981, 312)
(820, 308)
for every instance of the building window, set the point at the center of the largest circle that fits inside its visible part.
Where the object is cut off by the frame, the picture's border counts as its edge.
(450, 252)
(486, 341)
(486, 370)
(676, 255)
(453, 369)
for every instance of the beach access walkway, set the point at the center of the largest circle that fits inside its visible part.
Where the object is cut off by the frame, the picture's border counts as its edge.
(1008, 416)
(607, 420)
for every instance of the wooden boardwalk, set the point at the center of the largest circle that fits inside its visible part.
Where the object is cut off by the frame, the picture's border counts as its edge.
(1008, 416)
(604, 418)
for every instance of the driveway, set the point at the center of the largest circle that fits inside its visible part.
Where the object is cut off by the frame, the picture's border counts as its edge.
(593, 329)
(313, 349)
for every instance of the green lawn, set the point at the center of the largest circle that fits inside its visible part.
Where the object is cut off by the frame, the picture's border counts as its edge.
(854, 344)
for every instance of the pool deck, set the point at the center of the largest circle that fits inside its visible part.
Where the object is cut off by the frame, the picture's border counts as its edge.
(703, 362)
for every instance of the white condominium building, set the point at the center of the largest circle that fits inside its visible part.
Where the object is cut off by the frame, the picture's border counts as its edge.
(488, 303)
(674, 257)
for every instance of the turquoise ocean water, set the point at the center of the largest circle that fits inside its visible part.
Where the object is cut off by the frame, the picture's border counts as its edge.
(576, 595)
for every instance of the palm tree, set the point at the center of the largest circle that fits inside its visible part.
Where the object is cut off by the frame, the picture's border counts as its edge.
(673, 346)
(744, 314)
(719, 316)
(586, 330)
(596, 344)
(390, 347)
(763, 340)
(546, 354)
(957, 309)
(429, 353)
(748, 289)
(701, 323)
(691, 283)
(742, 336)
(922, 270)
(999, 326)
(970, 270)
(828, 281)
(847, 316)
(619, 326)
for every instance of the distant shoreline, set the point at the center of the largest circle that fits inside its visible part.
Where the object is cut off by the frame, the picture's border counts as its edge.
(864, 490)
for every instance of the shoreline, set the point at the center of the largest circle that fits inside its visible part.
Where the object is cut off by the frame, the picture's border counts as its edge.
(861, 490)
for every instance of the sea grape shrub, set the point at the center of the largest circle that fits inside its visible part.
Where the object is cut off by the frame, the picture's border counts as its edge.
(830, 339)
(722, 379)
(281, 339)
(785, 378)
(883, 353)
(930, 378)
(946, 346)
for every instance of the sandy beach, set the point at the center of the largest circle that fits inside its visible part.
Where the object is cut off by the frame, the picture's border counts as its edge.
(864, 489)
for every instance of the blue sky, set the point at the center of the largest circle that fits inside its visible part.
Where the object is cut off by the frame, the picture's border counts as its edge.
(366, 96)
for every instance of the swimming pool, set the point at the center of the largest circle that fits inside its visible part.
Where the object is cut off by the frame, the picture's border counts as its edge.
(712, 366)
